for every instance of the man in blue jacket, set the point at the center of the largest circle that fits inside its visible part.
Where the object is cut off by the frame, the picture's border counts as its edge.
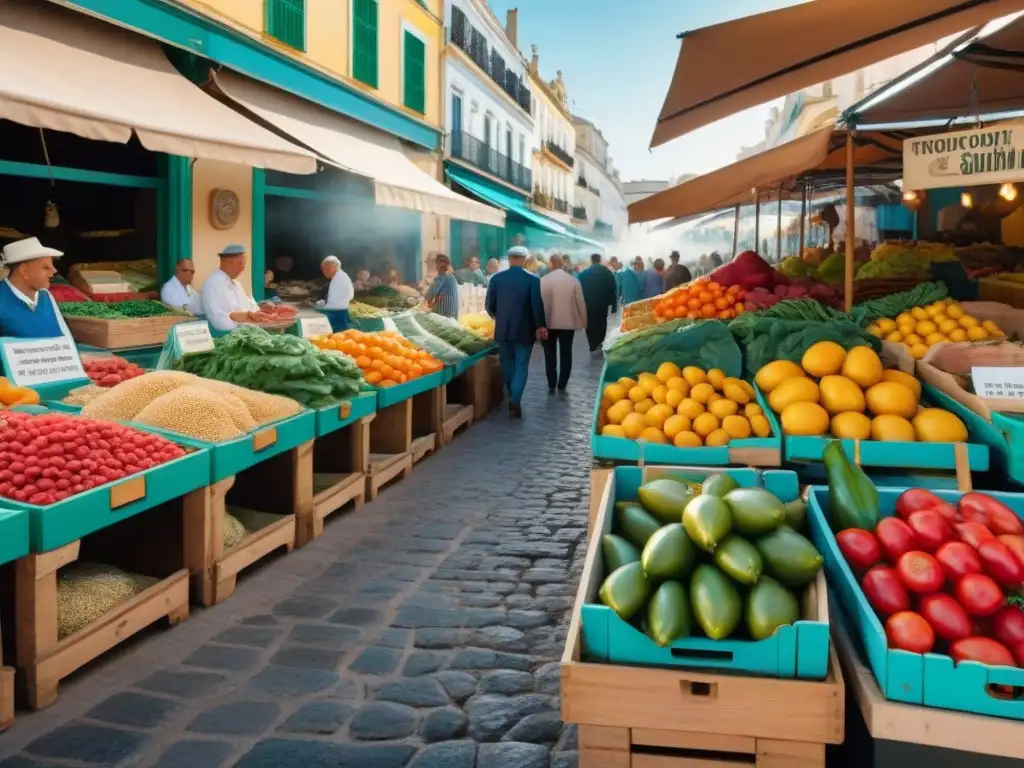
(514, 301)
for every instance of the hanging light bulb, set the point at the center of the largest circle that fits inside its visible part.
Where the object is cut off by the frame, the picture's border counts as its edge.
(966, 201)
(911, 199)
(1008, 192)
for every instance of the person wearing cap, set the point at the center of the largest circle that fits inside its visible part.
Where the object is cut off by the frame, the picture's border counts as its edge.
(27, 308)
(340, 293)
(225, 302)
(443, 294)
(178, 292)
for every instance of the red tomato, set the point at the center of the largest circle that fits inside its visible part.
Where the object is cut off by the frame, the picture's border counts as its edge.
(931, 529)
(860, 548)
(1000, 563)
(917, 499)
(957, 560)
(1008, 626)
(908, 631)
(884, 591)
(973, 533)
(984, 650)
(946, 616)
(1015, 543)
(920, 573)
(895, 538)
(994, 515)
(977, 593)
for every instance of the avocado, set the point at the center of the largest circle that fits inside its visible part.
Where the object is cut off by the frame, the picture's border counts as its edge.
(755, 511)
(665, 499)
(718, 485)
(796, 513)
(715, 602)
(668, 614)
(707, 521)
(739, 559)
(625, 591)
(770, 606)
(668, 554)
(636, 524)
(617, 552)
(789, 556)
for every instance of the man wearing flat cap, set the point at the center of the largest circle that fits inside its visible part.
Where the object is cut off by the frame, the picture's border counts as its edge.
(27, 309)
(225, 303)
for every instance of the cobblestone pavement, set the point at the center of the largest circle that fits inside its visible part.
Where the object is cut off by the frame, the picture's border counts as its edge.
(422, 631)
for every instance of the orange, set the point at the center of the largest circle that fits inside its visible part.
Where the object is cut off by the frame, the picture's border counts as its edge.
(363, 361)
(708, 310)
(693, 303)
(721, 303)
(388, 383)
(373, 377)
(705, 297)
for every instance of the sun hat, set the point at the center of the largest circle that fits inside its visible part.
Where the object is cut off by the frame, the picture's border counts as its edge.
(26, 250)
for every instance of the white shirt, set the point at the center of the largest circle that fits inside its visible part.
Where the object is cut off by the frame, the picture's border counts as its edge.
(176, 295)
(220, 296)
(33, 303)
(339, 293)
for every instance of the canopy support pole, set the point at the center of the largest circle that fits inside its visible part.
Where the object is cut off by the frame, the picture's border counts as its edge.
(757, 223)
(803, 220)
(735, 231)
(778, 230)
(851, 203)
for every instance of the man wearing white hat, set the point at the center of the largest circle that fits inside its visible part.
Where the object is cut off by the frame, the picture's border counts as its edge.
(27, 309)
(340, 292)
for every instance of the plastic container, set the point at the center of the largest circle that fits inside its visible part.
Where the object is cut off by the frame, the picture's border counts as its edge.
(14, 534)
(329, 418)
(390, 395)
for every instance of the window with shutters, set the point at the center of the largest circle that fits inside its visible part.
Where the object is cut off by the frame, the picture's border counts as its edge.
(364, 41)
(415, 73)
(286, 21)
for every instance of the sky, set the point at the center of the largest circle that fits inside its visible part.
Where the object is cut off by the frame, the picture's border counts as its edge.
(617, 58)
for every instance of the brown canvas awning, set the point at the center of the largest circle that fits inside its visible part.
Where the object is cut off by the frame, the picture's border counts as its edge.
(816, 157)
(729, 67)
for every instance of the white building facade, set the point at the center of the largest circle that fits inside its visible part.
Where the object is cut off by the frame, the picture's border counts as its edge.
(555, 140)
(600, 205)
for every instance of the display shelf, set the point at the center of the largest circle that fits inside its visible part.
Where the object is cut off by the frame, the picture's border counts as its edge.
(122, 334)
(14, 544)
(428, 414)
(390, 446)
(341, 464)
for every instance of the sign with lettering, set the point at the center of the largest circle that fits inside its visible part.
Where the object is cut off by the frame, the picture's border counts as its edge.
(193, 337)
(314, 325)
(991, 155)
(38, 362)
(998, 382)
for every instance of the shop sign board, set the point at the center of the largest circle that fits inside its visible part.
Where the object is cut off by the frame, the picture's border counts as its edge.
(41, 362)
(314, 325)
(185, 339)
(990, 155)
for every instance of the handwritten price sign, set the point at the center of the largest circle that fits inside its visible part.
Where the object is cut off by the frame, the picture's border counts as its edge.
(36, 362)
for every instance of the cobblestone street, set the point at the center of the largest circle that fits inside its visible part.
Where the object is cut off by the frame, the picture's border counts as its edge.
(422, 631)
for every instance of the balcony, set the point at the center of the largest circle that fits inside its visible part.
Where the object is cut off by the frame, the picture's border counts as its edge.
(560, 153)
(471, 40)
(582, 182)
(579, 212)
(478, 154)
(560, 205)
(603, 228)
(542, 199)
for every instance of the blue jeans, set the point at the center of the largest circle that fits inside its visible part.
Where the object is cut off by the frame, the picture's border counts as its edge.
(515, 367)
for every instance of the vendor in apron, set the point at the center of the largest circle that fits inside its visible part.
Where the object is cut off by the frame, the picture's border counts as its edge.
(340, 292)
(225, 302)
(27, 309)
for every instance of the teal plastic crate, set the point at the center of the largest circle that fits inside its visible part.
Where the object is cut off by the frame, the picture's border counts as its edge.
(464, 365)
(328, 418)
(14, 534)
(390, 395)
(623, 449)
(930, 679)
(797, 651)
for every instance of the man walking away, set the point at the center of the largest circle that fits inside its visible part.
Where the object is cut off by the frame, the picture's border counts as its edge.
(514, 301)
(632, 282)
(654, 280)
(566, 313)
(443, 294)
(600, 294)
(677, 273)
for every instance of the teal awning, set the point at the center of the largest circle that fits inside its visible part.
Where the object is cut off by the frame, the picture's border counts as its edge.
(513, 205)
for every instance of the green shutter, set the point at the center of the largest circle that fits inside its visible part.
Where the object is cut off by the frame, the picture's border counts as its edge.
(286, 21)
(415, 74)
(364, 41)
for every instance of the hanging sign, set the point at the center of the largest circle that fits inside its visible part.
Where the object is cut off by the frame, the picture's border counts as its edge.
(38, 362)
(314, 325)
(185, 339)
(991, 155)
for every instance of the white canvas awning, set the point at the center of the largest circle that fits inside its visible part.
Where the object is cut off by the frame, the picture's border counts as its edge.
(355, 148)
(68, 72)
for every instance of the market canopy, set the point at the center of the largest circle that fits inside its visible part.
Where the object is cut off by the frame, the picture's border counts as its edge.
(819, 158)
(67, 72)
(354, 148)
(726, 68)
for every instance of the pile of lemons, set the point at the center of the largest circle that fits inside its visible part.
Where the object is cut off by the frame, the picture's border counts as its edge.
(849, 395)
(688, 408)
(921, 327)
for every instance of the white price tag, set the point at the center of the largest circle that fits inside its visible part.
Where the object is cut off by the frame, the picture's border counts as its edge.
(998, 382)
(35, 362)
(315, 325)
(193, 337)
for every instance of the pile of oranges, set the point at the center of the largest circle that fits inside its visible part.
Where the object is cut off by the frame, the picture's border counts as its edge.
(700, 299)
(386, 358)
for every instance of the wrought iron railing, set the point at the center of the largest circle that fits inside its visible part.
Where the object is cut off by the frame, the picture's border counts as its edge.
(467, 147)
(560, 153)
(561, 206)
(579, 212)
(471, 40)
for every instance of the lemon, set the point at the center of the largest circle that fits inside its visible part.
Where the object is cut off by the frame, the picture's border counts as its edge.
(748, 388)
(687, 440)
(994, 330)
(694, 375)
(716, 377)
(615, 392)
(919, 314)
(839, 394)
(935, 338)
(793, 391)
(714, 397)
(911, 339)
(667, 372)
(890, 398)
(907, 330)
(717, 438)
(925, 327)
(851, 426)
(613, 430)
(644, 406)
(863, 366)
(773, 374)
(905, 318)
(934, 425)
(934, 310)
(958, 335)
(648, 383)
(705, 424)
(908, 381)
(637, 393)
(889, 428)
(657, 415)
(804, 419)
(977, 333)
(761, 425)
(702, 392)
(620, 411)
(722, 408)
(823, 359)
(752, 409)
(918, 351)
(679, 384)
(895, 336)
(874, 330)
(690, 408)
(735, 391)
(736, 427)
(968, 322)
(653, 435)
(954, 311)
(674, 397)
(660, 394)
(633, 425)
(886, 324)
(674, 425)
(947, 326)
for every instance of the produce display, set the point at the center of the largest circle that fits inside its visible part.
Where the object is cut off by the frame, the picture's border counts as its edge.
(922, 327)
(700, 299)
(849, 395)
(358, 309)
(385, 297)
(415, 333)
(274, 313)
(83, 395)
(713, 559)
(480, 324)
(110, 371)
(688, 408)
(385, 358)
(278, 364)
(122, 310)
(450, 332)
(11, 395)
(46, 458)
(87, 591)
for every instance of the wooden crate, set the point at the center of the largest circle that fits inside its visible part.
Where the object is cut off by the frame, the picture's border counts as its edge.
(149, 544)
(458, 404)
(6, 697)
(122, 334)
(269, 498)
(390, 446)
(472, 387)
(341, 464)
(495, 384)
(428, 413)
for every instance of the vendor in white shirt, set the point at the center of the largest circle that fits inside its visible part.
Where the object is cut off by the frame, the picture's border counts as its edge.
(178, 292)
(339, 293)
(225, 303)
(27, 308)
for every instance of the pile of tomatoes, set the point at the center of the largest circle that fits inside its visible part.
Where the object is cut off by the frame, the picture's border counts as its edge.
(110, 371)
(700, 299)
(945, 578)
